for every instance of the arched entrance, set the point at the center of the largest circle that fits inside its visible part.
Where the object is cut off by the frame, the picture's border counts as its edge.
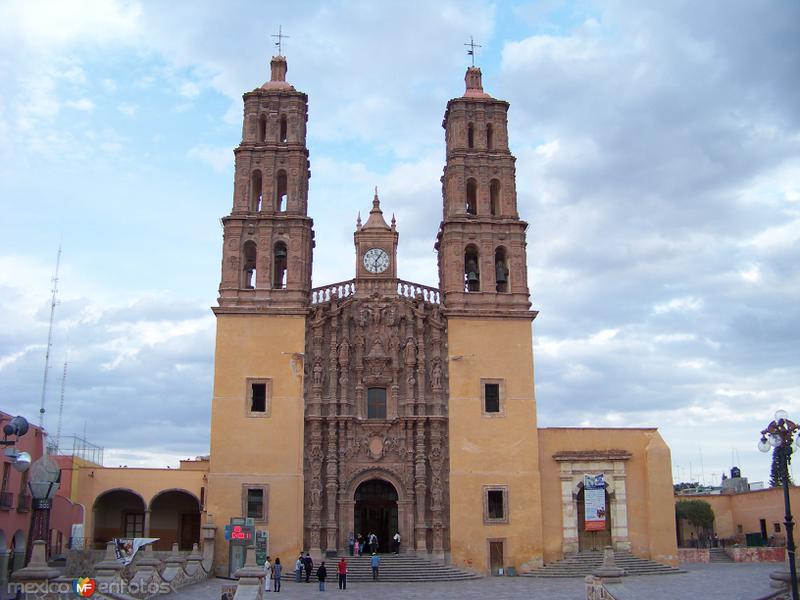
(118, 513)
(175, 518)
(592, 540)
(376, 511)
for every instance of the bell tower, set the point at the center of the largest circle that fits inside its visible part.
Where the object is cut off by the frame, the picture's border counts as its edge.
(481, 241)
(483, 277)
(268, 237)
(257, 408)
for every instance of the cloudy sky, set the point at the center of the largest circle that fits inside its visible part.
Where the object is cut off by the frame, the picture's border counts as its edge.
(658, 164)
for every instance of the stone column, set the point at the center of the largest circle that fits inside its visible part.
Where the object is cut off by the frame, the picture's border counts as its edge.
(4, 556)
(209, 537)
(147, 522)
(619, 510)
(37, 572)
(569, 523)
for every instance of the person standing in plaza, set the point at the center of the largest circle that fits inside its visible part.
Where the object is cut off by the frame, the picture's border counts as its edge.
(298, 568)
(276, 574)
(351, 542)
(375, 562)
(341, 569)
(396, 539)
(267, 575)
(322, 574)
(308, 563)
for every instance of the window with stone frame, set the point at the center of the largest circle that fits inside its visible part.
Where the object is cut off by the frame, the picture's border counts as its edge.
(255, 502)
(495, 504)
(258, 397)
(376, 403)
(134, 525)
(493, 397)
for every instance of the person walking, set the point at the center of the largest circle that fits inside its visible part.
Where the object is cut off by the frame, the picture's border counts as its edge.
(298, 568)
(373, 543)
(322, 573)
(267, 575)
(375, 562)
(396, 543)
(308, 563)
(351, 542)
(341, 569)
(359, 545)
(276, 574)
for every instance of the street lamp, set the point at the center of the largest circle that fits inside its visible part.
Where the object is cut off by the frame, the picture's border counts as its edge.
(44, 482)
(779, 435)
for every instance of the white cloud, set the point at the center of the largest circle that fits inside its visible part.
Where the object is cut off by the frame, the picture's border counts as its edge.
(219, 159)
(128, 109)
(678, 304)
(83, 104)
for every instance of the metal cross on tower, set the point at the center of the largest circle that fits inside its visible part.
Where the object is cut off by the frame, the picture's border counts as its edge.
(471, 52)
(280, 37)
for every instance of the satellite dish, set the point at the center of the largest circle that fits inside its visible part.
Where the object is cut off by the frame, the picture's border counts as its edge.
(22, 462)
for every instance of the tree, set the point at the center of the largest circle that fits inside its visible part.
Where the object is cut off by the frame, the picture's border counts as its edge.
(775, 470)
(697, 512)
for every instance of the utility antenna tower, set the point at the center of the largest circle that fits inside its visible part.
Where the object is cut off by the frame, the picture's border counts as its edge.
(53, 302)
(61, 408)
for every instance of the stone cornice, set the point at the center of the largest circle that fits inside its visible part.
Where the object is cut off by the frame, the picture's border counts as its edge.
(591, 455)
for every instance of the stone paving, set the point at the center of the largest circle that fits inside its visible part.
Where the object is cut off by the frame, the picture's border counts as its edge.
(742, 581)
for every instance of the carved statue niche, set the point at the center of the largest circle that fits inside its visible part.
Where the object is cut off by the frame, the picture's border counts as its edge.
(410, 352)
(317, 372)
(344, 354)
(436, 375)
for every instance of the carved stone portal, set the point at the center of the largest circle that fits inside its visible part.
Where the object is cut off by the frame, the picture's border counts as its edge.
(367, 357)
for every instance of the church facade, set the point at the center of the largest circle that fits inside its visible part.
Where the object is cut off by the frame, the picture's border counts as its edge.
(378, 405)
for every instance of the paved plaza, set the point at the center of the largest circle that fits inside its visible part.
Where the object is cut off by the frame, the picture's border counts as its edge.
(741, 581)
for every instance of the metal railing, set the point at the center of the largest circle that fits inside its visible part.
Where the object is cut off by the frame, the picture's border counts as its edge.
(6, 499)
(24, 502)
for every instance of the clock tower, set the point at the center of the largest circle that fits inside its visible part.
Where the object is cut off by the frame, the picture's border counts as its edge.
(376, 253)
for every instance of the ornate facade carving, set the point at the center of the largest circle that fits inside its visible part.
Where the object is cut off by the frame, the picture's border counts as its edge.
(398, 344)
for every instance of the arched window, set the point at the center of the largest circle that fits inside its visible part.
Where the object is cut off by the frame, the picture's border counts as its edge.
(472, 276)
(494, 197)
(262, 128)
(489, 136)
(470, 136)
(284, 129)
(279, 266)
(501, 270)
(472, 197)
(280, 191)
(256, 191)
(249, 265)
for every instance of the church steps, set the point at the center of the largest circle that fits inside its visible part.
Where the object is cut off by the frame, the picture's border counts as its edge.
(583, 563)
(402, 568)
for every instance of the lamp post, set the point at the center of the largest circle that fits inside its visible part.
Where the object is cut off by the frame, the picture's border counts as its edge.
(44, 482)
(779, 434)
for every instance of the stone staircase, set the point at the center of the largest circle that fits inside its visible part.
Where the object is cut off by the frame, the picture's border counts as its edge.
(583, 563)
(398, 568)
(718, 555)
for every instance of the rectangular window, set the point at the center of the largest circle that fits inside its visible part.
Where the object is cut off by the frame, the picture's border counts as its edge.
(738, 529)
(492, 397)
(776, 527)
(376, 403)
(255, 503)
(258, 397)
(6, 475)
(134, 525)
(495, 504)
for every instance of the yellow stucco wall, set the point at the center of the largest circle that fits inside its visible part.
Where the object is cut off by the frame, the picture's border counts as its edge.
(258, 450)
(747, 509)
(493, 450)
(90, 482)
(650, 514)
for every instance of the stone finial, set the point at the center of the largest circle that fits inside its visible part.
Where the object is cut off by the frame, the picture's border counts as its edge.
(277, 79)
(474, 84)
(394, 222)
(358, 221)
(37, 569)
(376, 220)
(609, 570)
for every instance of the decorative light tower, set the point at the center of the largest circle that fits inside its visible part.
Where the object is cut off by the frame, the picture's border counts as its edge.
(44, 482)
(778, 436)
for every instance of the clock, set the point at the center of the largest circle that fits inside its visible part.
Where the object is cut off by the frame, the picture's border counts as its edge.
(376, 260)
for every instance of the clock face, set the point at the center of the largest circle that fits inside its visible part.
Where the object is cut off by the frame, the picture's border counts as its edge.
(376, 260)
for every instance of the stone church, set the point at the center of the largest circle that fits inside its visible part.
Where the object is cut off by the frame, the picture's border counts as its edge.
(379, 405)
